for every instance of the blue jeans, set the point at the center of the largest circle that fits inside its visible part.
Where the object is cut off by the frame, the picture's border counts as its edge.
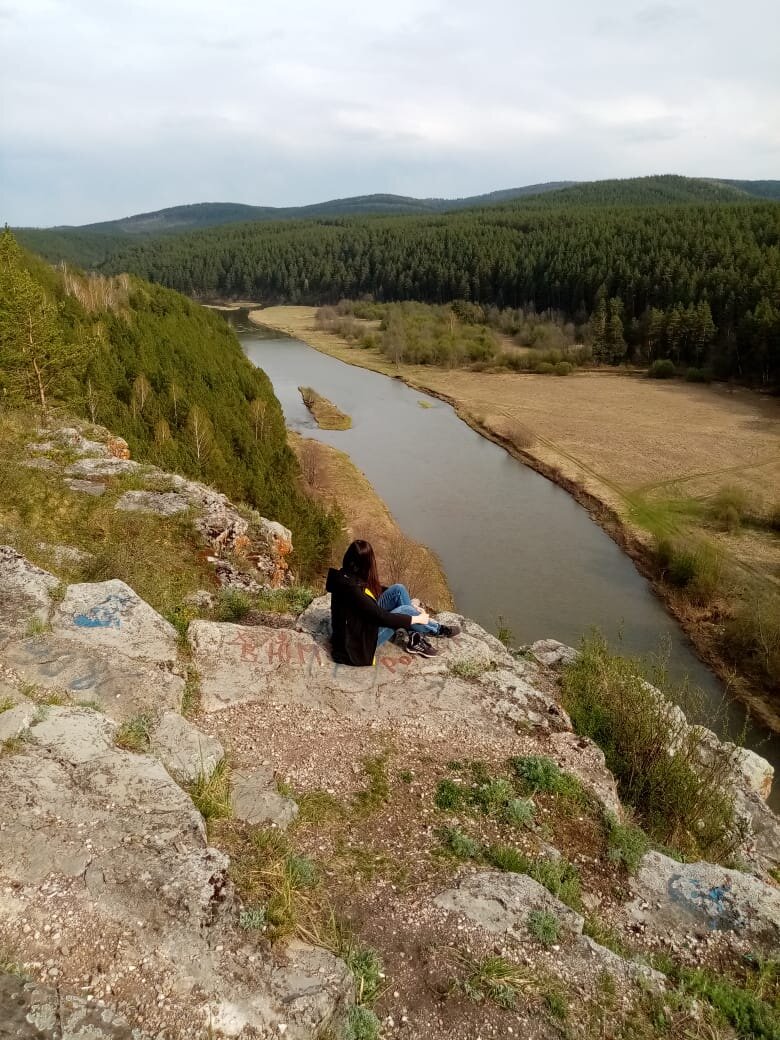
(397, 600)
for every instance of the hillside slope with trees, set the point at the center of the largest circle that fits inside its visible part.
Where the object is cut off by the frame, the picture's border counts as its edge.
(162, 372)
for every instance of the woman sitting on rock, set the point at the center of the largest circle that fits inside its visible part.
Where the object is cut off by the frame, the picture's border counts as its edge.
(364, 614)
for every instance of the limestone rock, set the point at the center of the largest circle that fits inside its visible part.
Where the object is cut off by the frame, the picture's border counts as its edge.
(265, 544)
(254, 799)
(673, 898)
(42, 447)
(87, 487)
(550, 652)
(521, 700)
(184, 751)
(501, 903)
(15, 721)
(756, 772)
(109, 615)
(315, 619)
(105, 843)
(760, 825)
(72, 778)
(29, 1011)
(25, 593)
(121, 686)
(106, 644)
(106, 467)
(309, 991)
(160, 503)
(74, 441)
(117, 447)
(242, 664)
(201, 599)
(585, 760)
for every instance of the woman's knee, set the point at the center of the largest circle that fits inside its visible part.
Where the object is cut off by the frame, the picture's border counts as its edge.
(399, 590)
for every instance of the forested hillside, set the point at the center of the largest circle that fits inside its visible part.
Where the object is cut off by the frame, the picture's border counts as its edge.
(159, 370)
(645, 272)
(90, 244)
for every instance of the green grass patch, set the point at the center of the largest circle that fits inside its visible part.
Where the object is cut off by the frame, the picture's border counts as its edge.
(544, 926)
(504, 634)
(318, 807)
(626, 843)
(467, 668)
(293, 599)
(159, 557)
(210, 793)
(557, 1004)
(135, 734)
(489, 795)
(458, 844)
(679, 790)
(272, 878)
(747, 1012)
(362, 1024)
(450, 796)
(490, 978)
(235, 605)
(6, 703)
(558, 876)
(37, 627)
(377, 790)
(253, 918)
(190, 700)
(539, 774)
(366, 967)
(600, 932)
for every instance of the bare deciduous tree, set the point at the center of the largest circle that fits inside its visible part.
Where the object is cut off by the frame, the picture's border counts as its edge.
(201, 433)
(257, 410)
(162, 432)
(312, 458)
(142, 390)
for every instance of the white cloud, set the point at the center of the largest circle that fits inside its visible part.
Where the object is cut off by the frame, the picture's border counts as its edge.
(114, 108)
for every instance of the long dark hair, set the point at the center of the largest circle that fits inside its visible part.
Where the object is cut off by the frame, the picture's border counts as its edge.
(360, 563)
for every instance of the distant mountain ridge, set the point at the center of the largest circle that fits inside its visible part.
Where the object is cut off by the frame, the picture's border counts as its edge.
(213, 214)
(190, 217)
(91, 245)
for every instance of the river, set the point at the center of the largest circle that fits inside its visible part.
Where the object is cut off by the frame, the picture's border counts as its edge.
(514, 546)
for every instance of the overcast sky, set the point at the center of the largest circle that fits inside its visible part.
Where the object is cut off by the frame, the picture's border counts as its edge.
(113, 107)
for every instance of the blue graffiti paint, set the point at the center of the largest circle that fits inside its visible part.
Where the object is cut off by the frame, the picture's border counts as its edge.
(107, 614)
(716, 903)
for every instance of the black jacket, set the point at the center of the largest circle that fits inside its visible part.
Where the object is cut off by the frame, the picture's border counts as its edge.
(355, 620)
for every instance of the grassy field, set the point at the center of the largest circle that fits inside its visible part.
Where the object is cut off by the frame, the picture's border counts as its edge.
(331, 476)
(690, 466)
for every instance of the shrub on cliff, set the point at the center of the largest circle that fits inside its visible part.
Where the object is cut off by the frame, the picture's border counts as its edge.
(678, 786)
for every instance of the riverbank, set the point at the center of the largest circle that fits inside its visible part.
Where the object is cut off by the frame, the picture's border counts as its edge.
(652, 441)
(332, 477)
